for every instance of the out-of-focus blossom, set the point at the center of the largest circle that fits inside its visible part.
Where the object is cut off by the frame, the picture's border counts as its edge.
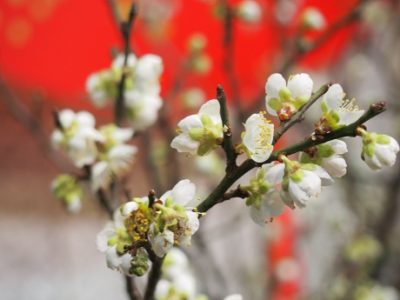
(77, 136)
(249, 11)
(66, 188)
(199, 133)
(115, 156)
(141, 90)
(312, 18)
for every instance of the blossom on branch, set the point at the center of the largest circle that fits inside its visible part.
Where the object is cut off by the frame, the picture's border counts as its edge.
(282, 99)
(257, 137)
(77, 136)
(175, 222)
(264, 200)
(338, 111)
(312, 18)
(141, 87)
(249, 11)
(328, 156)
(200, 133)
(379, 150)
(66, 188)
(115, 157)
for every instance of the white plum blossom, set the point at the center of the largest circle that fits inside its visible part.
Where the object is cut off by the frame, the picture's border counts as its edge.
(338, 111)
(141, 91)
(115, 157)
(258, 136)
(312, 18)
(176, 223)
(77, 136)
(129, 225)
(199, 133)
(282, 99)
(264, 200)
(379, 150)
(301, 183)
(328, 156)
(112, 240)
(249, 11)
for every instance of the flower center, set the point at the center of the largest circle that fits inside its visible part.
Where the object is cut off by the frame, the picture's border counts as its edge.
(137, 225)
(348, 105)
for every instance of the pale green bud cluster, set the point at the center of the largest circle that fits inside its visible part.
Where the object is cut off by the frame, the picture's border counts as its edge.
(140, 262)
(67, 188)
(199, 61)
(370, 139)
(363, 250)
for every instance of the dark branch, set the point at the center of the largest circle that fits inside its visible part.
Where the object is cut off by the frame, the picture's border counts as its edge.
(131, 288)
(154, 277)
(227, 144)
(125, 28)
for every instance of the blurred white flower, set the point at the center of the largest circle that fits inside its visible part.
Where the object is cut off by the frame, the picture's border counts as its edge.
(249, 11)
(141, 90)
(199, 133)
(258, 136)
(312, 18)
(66, 188)
(284, 100)
(77, 136)
(115, 157)
(379, 150)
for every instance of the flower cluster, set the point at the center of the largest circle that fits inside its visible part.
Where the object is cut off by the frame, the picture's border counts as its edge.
(102, 151)
(282, 180)
(149, 224)
(141, 87)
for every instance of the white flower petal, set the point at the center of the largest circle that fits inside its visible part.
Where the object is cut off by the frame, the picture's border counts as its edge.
(274, 84)
(334, 96)
(300, 85)
(212, 109)
(189, 122)
(338, 146)
(274, 172)
(183, 192)
(66, 117)
(183, 143)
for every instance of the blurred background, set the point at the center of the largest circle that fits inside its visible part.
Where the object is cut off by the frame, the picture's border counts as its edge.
(344, 246)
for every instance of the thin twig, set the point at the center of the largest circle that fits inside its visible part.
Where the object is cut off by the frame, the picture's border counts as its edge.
(104, 202)
(228, 57)
(126, 28)
(227, 144)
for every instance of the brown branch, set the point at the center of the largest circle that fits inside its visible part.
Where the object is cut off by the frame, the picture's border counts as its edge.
(132, 289)
(239, 192)
(125, 28)
(154, 277)
(229, 57)
(227, 144)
